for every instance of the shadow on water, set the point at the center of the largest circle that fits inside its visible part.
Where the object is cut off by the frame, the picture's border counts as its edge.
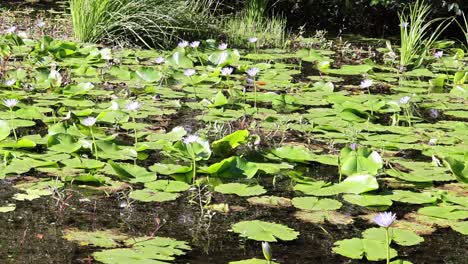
(33, 232)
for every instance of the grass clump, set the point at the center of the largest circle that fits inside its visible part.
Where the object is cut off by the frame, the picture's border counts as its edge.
(417, 34)
(252, 22)
(153, 23)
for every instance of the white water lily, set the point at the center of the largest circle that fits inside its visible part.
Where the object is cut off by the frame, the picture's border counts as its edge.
(404, 24)
(195, 44)
(438, 54)
(404, 100)
(385, 219)
(226, 71)
(183, 44)
(252, 72)
(222, 46)
(191, 139)
(366, 84)
(133, 106)
(189, 72)
(10, 103)
(89, 121)
(10, 82)
(159, 60)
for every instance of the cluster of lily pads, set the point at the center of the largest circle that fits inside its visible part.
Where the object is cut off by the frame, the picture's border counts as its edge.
(85, 116)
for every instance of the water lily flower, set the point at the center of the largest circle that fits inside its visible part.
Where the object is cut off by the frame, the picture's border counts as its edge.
(190, 139)
(222, 46)
(195, 44)
(133, 106)
(10, 30)
(226, 71)
(366, 84)
(189, 72)
(404, 100)
(89, 121)
(404, 24)
(267, 251)
(10, 103)
(353, 146)
(385, 219)
(252, 72)
(10, 82)
(434, 113)
(183, 44)
(438, 54)
(40, 24)
(159, 60)
(253, 40)
(432, 141)
(114, 106)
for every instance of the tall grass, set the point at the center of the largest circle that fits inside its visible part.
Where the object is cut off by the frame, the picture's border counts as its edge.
(418, 35)
(253, 22)
(154, 23)
(464, 27)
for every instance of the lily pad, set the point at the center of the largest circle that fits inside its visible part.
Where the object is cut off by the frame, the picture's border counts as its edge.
(264, 231)
(240, 189)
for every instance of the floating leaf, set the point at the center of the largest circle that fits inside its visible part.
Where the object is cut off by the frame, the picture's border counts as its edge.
(400, 236)
(149, 195)
(357, 248)
(144, 250)
(253, 261)
(313, 203)
(105, 239)
(319, 217)
(240, 189)
(264, 231)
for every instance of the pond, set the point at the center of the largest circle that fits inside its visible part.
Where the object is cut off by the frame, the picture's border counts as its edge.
(200, 153)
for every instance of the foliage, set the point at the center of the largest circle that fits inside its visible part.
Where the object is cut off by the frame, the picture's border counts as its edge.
(153, 23)
(417, 35)
(252, 22)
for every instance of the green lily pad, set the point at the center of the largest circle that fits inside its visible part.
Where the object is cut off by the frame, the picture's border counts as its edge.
(149, 195)
(357, 248)
(7, 208)
(264, 231)
(314, 204)
(240, 189)
(400, 236)
(104, 239)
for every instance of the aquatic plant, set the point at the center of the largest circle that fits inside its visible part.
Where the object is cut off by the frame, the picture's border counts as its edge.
(153, 23)
(11, 103)
(252, 73)
(417, 35)
(89, 122)
(252, 21)
(267, 253)
(464, 28)
(385, 220)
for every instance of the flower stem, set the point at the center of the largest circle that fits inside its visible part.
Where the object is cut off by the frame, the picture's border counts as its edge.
(14, 130)
(194, 170)
(135, 136)
(388, 244)
(255, 94)
(94, 143)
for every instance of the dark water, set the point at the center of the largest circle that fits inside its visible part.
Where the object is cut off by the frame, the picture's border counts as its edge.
(33, 232)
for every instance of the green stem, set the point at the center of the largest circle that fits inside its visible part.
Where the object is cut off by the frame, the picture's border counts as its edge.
(388, 244)
(370, 101)
(408, 115)
(14, 130)
(194, 170)
(135, 136)
(198, 56)
(255, 95)
(94, 143)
